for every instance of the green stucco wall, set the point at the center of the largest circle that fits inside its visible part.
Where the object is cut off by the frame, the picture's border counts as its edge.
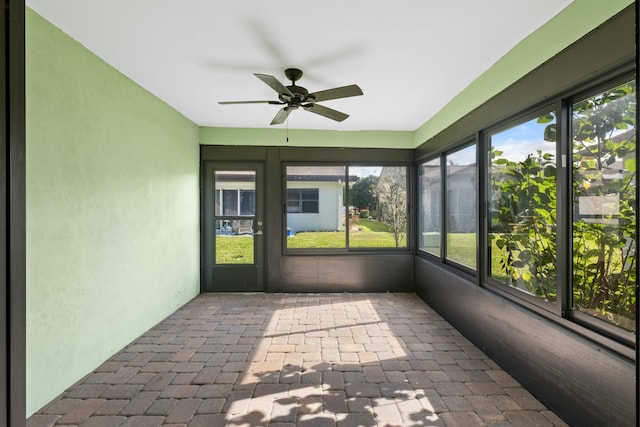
(112, 211)
(575, 21)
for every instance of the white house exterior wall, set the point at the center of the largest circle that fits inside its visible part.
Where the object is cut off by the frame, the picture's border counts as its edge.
(329, 217)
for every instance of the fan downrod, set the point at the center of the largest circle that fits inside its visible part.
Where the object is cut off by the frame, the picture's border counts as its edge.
(293, 74)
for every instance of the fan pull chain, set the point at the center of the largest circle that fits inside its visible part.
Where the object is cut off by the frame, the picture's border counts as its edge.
(287, 130)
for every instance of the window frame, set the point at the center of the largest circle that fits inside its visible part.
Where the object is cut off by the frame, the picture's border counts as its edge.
(240, 200)
(583, 319)
(561, 312)
(348, 250)
(419, 248)
(466, 143)
(219, 201)
(488, 281)
(300, 200)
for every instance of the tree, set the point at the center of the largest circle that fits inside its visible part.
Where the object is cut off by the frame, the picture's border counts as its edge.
(523, 220)
(392, 201)
(362, 193)
(604, 170)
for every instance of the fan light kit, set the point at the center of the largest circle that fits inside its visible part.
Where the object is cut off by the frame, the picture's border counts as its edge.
(293, 97)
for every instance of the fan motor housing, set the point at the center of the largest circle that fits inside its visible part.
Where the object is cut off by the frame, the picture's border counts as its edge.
(298, 90)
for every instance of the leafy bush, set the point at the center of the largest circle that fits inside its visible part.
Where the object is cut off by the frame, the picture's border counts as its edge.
(604, 240)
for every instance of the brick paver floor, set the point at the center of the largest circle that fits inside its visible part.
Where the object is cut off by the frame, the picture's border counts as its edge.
(299, 359)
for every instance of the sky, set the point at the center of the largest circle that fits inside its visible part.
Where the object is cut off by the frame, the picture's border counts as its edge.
(364, 171)
(516, 144)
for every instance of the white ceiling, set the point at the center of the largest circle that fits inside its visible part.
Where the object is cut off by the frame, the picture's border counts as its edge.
(410, 57)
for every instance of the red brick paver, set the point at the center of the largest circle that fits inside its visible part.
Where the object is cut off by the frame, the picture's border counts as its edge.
(298, 359)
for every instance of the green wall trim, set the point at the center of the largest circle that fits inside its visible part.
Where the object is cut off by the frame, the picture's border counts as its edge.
(112, 211)
(574, 22)
(305, 138)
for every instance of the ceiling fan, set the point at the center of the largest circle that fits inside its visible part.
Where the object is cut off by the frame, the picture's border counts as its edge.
(293, 97)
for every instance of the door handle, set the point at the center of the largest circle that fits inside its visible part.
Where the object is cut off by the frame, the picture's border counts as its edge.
(258, 233)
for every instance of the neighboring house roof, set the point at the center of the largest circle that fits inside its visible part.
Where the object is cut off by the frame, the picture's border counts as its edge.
(294, 173)
(235, 176)
(616, 169)
(624, 136)
(318, 173)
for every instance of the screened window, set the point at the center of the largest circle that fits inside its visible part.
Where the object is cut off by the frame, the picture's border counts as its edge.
(229, 202)
(461, 195)
(235, 207)
(234, 201)
(522, 207)
(247, 202)
(555, 205)
(377, 207)
(302, 200)
(346, 207)
(430, 190)
(604, 205)
(315, 207)
(235, 193)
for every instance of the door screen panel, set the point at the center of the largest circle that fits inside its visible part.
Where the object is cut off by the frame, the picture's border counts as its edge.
(235, 208)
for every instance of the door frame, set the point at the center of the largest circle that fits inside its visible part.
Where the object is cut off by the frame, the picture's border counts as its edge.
(12, 231)
(248, 277)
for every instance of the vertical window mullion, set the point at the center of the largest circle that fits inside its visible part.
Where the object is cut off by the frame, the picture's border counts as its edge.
(483, 257)
(443, 207)
(345, 203)
(564, 210)
(221, 202)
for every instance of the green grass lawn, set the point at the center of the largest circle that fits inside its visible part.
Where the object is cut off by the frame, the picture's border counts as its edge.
(371, 234)
(318, 240)
(461, 248)
(234, 249)
(373, 226)
(366, 233)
